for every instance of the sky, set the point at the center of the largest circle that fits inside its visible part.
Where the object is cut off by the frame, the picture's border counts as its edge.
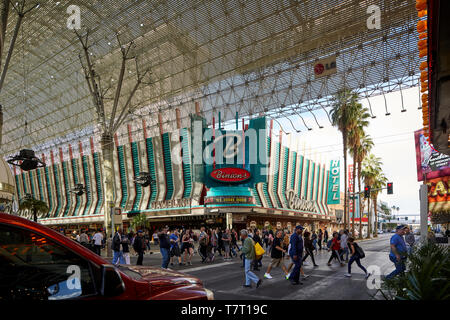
(393, 137)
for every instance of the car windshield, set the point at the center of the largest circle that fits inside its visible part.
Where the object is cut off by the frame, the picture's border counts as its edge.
(130, 273)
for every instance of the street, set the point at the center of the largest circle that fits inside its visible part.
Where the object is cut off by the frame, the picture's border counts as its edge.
(225, 279)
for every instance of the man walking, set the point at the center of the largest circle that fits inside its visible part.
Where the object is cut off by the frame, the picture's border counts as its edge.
(248, 248)
(296, 254)
(98, 238)
(398, 251)
(139, 247)
(409, 239)
(277, 256)
(164, 247)
(117, 253)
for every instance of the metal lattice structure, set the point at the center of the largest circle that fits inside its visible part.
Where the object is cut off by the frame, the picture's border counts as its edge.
(245, 56)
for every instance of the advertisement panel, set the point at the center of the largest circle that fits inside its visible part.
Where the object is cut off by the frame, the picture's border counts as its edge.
(430, 163)
(334, 183)
(439, 195)
(350, 188)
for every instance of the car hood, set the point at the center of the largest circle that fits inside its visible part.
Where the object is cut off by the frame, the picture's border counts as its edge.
(164, 277)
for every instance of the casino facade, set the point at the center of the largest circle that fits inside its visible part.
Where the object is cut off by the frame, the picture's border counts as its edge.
(282, 189)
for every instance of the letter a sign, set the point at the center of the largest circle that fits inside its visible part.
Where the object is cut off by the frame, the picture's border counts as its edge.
(334, 183)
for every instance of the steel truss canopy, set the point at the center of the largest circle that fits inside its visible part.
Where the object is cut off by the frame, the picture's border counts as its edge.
(245, 56)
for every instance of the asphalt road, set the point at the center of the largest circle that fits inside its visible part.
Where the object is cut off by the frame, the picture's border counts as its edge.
(225, 279)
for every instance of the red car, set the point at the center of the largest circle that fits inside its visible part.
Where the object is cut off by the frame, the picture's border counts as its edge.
(37, 263)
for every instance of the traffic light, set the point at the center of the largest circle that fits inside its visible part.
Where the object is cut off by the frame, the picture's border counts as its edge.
(390, 188)
(366, 192)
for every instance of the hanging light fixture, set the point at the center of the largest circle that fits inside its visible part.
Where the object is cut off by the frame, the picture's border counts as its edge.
(79, 189)
(26, 159)
(144, 179)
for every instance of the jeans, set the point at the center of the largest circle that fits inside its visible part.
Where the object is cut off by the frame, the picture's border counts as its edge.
(165, 257)
(344, 251)
(358, 262)
(399, 267)
(118, 257)
(295, 274)
(249, 276)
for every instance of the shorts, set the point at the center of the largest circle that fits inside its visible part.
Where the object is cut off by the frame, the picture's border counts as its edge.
(276, 262)
(175, 251)
(185, 246)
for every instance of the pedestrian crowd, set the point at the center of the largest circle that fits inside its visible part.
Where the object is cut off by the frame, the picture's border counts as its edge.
(178, 246)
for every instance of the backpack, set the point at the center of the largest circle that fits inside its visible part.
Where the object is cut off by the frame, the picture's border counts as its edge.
(329, 244)
(359, 251)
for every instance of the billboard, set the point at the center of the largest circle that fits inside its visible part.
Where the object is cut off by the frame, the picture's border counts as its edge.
(438, 195)
(334, 183)
(430, 163)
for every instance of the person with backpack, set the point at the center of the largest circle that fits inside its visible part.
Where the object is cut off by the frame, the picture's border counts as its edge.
(248, 248)
(357, 254)
(139, 246)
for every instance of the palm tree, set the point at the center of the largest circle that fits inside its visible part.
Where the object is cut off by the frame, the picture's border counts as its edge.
(343, 114)
(35, 205)
(364, 148)
(354, 138)
(140, 222)
(379, 182)
(371, 169)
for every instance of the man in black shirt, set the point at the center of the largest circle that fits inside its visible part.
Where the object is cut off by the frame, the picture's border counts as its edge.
(164, 247)
(277, 256)
(139, 247)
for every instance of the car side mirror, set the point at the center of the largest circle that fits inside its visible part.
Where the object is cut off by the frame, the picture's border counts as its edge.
(112, 283)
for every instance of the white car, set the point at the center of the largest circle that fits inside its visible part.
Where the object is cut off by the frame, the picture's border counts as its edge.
(380, 231)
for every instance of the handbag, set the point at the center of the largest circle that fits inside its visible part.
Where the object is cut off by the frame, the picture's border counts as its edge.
(259, 251)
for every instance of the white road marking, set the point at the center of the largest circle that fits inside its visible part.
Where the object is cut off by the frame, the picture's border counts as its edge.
(207, 266)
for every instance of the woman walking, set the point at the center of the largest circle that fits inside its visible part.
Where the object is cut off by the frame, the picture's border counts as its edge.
(335, 247)
(355, 256)
(186, 248)
(325, 236)
(257, 239)
(319, 239)
(125, 242)
(309, 248)
(314, 241)
(226, 239)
